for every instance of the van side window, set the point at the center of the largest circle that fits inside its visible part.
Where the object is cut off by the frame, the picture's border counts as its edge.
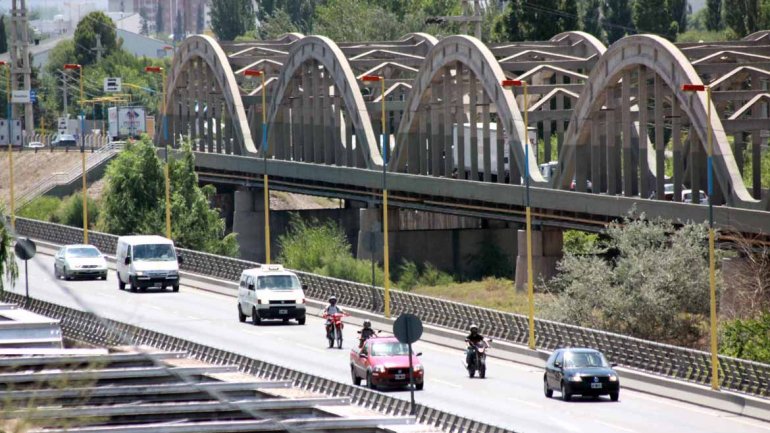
(250, 282)
(243, 283)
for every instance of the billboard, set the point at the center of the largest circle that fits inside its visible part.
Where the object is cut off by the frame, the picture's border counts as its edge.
(126, 122)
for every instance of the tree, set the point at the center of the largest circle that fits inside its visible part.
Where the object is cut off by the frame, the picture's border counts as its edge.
(279, 23)
(651, 16)
(92, 26)
(3, 37)
(618, 20)
(568, 18)
(507, 26)
(179, 26)
(540, 22)
(135, 200)
(8, 268)
(354, 20)
(714, 16)
(591, 19)
(145, 30)
(160, 24)
(678, 9)
(230, 19)
(641, 291)
(200, 20)
(742, 17)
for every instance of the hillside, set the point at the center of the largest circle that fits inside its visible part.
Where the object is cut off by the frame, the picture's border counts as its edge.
(31, 168)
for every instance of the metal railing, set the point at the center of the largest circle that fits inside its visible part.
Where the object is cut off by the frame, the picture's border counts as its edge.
(84, 327)
(648, 356)
(94, 159)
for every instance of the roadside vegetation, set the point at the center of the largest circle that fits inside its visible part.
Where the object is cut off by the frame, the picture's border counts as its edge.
(67, 211)
(8, 268)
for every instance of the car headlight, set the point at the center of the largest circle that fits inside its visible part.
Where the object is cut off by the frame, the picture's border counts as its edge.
(613, 378)
(139, 273)
(379, 369)
(76, 266)
(575, 378)
(173, 274)
(418, 368)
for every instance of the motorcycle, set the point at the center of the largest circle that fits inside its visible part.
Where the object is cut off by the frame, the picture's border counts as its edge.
(478, 359)
(334, 329)
(362, 339)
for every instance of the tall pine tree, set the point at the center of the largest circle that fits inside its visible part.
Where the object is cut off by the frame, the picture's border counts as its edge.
(569, 19)
(651, 16)
(678, 10)
(160, 26)
(3, 40)
(179, 27)
(618, 20)
(200, 20)
(714, 15)
(591, 19)
(540, 21)
(233, 18)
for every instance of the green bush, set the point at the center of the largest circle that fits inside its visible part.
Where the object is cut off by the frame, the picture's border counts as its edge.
(41, 208)
(747, 339)
(70, 211)
(411, 275)
(579, 242)
(310, 245)
(491, 261)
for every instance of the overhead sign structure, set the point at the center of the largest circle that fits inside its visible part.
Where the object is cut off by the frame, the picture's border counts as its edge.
(113, 84)
(21, 97)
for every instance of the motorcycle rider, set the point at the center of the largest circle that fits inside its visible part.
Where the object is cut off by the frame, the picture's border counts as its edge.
(474, 340)
(366, 333)
(330, 309)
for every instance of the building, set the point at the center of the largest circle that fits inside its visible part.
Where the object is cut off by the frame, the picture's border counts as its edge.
(188, 11)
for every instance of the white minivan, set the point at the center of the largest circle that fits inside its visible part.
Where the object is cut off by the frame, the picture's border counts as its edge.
(270, 292)
(147, 261)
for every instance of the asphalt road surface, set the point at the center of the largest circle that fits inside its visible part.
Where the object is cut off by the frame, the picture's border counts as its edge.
(511, 396)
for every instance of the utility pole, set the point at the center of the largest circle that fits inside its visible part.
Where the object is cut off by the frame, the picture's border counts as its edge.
(471, 14)
(99, 49)
(21, 72)
(64, 91)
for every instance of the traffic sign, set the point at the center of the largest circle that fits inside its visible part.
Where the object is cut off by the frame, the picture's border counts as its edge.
(113, 84)
(407, 328)
(20, 97)
(33, 96)
(25, 249)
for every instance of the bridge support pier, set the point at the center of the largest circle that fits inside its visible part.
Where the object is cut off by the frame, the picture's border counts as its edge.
(249, 223)
(547, 245)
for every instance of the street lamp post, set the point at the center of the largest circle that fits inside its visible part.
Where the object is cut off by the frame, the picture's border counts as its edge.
(162, 72)
(530, 277)
(386, 257)
(712, 254)
(10, 146)
(79, 68)
(266, 192)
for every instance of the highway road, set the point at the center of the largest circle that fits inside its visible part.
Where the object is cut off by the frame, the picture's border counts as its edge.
(511, 396)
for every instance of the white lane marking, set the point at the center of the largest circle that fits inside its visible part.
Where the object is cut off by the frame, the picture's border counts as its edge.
(307, 346)
(615, 426)
(743, 421)
(528, 403)
(444, 382)
(672, 403)
(564, 425)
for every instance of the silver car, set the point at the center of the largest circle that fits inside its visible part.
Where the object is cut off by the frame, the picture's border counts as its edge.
(74, 261)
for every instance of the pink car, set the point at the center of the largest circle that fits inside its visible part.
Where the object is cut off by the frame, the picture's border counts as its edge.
(384, 362)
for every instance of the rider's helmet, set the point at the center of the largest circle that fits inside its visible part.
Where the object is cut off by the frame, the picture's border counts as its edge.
(333, 300)
(367, 324)
(474, 329)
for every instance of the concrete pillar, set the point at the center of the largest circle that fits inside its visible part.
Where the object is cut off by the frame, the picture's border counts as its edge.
(370, 226)
(249, 223)
(547, 245)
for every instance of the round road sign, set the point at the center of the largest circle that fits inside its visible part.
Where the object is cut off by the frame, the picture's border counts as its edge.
(407, 328)
(25, 249)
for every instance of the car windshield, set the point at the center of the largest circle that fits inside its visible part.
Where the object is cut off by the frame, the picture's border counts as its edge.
(389, 349)
(669, 187)
(154, 252)
(279, 282)
(83, 252)
(585, 359)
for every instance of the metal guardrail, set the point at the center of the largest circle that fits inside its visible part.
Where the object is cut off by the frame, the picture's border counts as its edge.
(648, 356)
(84, 327)
(95, 158)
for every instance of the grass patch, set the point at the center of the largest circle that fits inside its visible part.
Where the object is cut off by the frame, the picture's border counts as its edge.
(495, 293)
(41, 208)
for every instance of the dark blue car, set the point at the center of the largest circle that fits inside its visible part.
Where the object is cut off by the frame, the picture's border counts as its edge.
(580, 371)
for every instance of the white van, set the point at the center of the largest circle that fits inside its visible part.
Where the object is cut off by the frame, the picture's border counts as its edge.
(270, 292)
(147, 261)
